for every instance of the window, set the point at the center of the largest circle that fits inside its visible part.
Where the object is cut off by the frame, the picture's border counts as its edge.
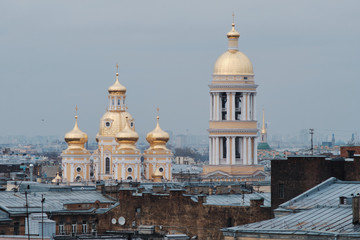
(84, 227)
(245, 78)
(350, 153)
(78, 169)
(129, 178)
(281, 191)
(132, 124)
(229, 222)
(237, 106)
(161, 169)
(74, 227)
(107, 124)
(237, 147)
(16, 228)
(129, 169)
(78, 179)
(107, 165)
(61, 228)
(224, 147)
(119, 102)
(112, 102)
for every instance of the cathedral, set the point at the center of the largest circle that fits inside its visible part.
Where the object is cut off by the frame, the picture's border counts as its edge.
(117, 157)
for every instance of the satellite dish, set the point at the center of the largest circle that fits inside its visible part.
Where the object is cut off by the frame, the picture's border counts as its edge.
(121, 220)
(113, 221)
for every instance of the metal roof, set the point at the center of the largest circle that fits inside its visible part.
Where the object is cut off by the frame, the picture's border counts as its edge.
(317, 211)
(319, 220)
(237, 199)
(14, 202)
(327, 193)
(182, 168)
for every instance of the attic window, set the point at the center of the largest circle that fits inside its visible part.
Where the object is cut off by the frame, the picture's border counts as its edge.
(281, 191)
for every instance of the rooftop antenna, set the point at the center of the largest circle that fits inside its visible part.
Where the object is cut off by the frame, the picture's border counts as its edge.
(311, 131)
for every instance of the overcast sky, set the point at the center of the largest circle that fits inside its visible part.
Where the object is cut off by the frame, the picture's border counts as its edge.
(58, 54)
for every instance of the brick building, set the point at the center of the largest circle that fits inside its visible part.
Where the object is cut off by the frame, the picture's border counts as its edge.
(292, 176)
(176, 212)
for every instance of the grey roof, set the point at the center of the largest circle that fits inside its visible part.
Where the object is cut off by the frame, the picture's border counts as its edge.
(317, 211)
(324, 194)
(237, 199)
(14, 203)
(178, 168)
(319, 221)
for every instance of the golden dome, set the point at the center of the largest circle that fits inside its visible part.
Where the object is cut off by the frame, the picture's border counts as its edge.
(127, 138)
(76, 138)
(157, 137)
(117, 87)
(233, 62)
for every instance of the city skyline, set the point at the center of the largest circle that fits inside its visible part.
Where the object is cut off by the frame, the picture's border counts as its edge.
(62, 54)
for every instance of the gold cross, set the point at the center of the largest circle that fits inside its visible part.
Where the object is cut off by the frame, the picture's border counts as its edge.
(117, 67)
(76, 110)
(233, 16)
(157, 110)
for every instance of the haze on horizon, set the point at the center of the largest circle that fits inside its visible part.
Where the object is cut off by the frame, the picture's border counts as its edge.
(59, 54)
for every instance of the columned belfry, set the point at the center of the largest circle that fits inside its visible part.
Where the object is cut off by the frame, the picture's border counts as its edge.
(233, 126)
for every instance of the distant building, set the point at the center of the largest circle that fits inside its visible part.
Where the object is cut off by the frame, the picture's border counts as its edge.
(263, 145)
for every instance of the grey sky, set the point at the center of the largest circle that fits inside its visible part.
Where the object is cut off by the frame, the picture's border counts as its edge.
(58, 54)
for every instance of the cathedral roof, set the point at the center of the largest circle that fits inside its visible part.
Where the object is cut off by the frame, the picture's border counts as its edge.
(157, 137)
(233, 62)
(76, 137)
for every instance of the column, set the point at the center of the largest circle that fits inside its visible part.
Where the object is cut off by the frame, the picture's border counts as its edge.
(213, 151)
(250, 106)
(211, 107)
(254, 105)
(210, 149)
(249, 151)
(233, 106)
(218, 107)
(233, 155)
(244, 153)
(255, 151)
(215, 107)
(217, 157)
(228, 106)
(221, 149)
(243, 107)
(227, 150)
(247, 106)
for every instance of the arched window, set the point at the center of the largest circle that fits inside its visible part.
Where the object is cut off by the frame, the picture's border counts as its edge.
(107, 165)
